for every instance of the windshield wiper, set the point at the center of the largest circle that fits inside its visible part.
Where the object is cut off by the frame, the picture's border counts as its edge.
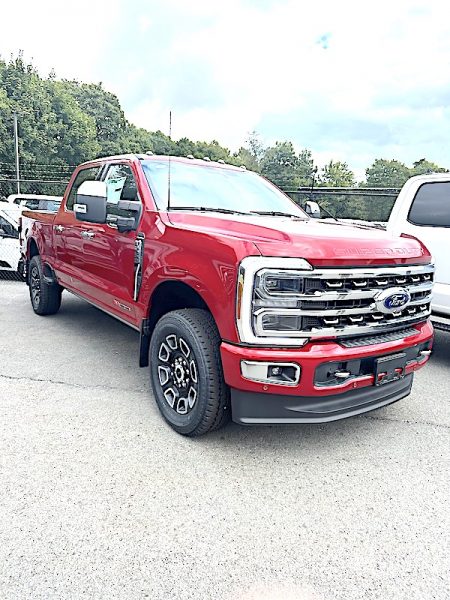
(226, 211)
(277, 213)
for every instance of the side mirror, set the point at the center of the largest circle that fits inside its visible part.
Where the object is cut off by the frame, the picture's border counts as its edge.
(90, 206)
(126, 223)
(312, 209)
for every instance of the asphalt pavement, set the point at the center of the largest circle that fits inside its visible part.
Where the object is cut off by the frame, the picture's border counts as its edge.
(99, 498)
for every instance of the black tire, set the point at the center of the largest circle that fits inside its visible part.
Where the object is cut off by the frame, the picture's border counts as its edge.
(45, 297)
(186, 372)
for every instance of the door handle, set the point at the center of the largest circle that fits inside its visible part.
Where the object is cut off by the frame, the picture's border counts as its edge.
(58, 228)
(88, 235)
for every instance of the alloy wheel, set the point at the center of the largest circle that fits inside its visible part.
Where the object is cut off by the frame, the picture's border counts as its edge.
(35, 286)
(178, 374)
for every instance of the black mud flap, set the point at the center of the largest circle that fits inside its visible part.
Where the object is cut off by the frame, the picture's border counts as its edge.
(144, 343)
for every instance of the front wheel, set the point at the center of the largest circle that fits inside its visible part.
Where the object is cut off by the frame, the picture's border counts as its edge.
(186, 372)
(45, 297)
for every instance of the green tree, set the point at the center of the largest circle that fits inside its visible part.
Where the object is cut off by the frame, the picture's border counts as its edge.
(254, 146)
(73, 130)
(161, 143)
(245, 158)
(135, 140)
(387, 173)
(305, 168)
(423, 167)
(281, 165)
(337, 174)
(184, 147)
(104, 108)
(212, 150)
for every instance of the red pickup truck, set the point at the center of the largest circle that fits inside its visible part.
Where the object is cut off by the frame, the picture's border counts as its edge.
(245, 305)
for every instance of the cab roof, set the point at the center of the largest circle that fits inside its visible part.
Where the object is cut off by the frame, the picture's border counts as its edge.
(164, 157)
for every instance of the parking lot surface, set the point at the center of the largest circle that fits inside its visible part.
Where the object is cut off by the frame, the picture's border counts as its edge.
(99, 498)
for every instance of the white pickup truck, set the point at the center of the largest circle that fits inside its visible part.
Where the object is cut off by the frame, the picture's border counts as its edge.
(422, 209)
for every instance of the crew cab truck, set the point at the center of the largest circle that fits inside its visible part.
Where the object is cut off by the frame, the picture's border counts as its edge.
(246, 306)
(422, 209)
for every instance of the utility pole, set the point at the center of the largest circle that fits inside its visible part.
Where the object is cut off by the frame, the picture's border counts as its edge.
(16, 148)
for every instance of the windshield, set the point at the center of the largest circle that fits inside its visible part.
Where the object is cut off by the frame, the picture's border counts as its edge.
(208, 187)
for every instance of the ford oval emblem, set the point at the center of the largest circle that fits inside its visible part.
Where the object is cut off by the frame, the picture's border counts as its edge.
(392, 300)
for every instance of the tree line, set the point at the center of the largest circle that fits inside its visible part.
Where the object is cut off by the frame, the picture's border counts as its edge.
(65, 122)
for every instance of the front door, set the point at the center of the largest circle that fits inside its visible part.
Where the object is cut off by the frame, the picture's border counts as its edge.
(109, 254)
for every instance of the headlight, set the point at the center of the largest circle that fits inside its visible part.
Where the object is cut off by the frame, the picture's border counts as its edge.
(268, 292)
(273, 283)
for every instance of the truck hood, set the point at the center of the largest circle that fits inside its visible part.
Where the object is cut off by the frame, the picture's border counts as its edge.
(321, 243)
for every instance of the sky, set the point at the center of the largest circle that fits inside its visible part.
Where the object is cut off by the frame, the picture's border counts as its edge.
(349, 80)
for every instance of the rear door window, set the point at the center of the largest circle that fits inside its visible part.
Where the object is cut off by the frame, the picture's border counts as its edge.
(431, 206)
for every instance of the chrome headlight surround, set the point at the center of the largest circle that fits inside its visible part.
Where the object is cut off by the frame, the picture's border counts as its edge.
(259, 270)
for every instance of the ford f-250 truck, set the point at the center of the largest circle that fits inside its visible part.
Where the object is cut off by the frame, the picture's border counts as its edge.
(246, 307)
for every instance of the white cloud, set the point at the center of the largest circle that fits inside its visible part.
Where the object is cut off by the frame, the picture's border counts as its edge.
(350, 80)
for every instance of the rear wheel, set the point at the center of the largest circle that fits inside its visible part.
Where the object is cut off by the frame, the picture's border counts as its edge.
(45, 297)
(186, 372)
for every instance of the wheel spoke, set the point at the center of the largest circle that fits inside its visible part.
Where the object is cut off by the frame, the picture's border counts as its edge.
(182, 406)
(163, 374)
(164, 353)
(170, 395)
(172, 341)
(193, 371)
(184, 348)
(192, 397)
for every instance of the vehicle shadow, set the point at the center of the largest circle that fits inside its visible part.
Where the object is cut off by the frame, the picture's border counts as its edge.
(441, 349)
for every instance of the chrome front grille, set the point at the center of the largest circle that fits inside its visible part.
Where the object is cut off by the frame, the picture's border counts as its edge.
(335, 303)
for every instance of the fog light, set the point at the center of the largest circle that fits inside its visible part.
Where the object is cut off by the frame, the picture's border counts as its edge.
(274, 373)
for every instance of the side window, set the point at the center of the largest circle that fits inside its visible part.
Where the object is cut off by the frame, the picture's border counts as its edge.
(89, 174)
(31, 204)
(121, 185)
(431, 206)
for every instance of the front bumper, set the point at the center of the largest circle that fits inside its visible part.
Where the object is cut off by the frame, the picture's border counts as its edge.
(314, 401)
(253, 408)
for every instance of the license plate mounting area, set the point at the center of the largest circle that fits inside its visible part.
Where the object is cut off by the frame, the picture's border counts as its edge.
(390, 368)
